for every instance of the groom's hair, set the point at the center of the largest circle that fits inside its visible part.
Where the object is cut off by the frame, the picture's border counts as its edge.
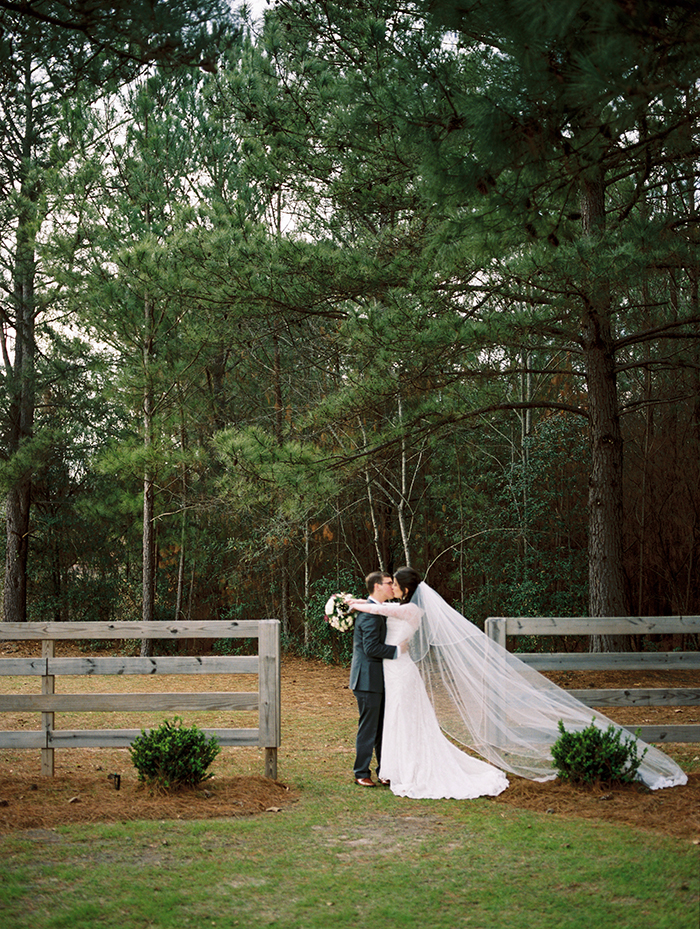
(376, 577)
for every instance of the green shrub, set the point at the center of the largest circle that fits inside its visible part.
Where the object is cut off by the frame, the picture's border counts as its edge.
(592, 756)
(173, 755)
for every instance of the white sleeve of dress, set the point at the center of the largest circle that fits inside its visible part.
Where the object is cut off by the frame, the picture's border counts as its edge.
(409, 612)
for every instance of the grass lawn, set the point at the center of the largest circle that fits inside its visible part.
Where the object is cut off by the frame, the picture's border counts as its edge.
(343, 856)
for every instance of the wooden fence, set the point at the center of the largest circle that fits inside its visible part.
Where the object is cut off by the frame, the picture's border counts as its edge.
(497, 628)
(266, 701)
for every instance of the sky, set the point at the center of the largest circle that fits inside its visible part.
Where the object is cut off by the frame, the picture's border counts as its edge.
(257, 7)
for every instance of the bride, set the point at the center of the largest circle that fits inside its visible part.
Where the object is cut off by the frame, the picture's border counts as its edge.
(457, 680)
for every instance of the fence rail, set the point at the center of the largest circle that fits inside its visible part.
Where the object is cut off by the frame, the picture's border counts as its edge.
(266, 700)
(499, 627)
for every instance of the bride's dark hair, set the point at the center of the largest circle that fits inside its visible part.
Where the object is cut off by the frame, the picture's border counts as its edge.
(408, 580)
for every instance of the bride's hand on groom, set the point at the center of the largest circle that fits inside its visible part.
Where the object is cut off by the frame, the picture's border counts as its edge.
(355, 603)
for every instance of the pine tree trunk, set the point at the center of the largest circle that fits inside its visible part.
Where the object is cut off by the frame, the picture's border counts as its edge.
(179, 597)
(606, 577)
(307, 582)
(17, 506)
(149, 548)
(372, 510)
(180, 594)
(403, 493)
(22, 404)
(279, 437)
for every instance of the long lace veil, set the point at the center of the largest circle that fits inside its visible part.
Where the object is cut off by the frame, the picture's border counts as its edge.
(490, 701)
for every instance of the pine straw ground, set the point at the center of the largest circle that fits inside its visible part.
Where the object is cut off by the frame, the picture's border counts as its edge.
(319, 716)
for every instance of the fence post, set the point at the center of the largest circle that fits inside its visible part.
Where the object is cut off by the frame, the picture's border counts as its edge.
(496, 629)
(496, 698)
(269, 692)
(48, 650)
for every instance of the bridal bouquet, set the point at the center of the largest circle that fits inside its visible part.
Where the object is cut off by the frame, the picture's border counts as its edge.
(337, 612)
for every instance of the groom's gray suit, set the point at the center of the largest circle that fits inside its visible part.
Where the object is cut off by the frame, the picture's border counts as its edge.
(367, 683)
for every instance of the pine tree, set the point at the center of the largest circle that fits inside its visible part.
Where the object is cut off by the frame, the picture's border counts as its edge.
(584, 107)
(53, 55)
(535, 138)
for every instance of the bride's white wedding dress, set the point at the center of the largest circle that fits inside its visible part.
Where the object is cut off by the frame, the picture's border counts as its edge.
(458, 681)
(416, 757)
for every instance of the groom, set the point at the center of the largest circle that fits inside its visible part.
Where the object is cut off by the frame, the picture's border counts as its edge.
(367, 678)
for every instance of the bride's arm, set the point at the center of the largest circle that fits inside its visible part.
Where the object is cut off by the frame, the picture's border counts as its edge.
(405, 611)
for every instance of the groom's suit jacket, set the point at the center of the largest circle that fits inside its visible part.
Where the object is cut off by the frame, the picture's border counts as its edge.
(368, 650)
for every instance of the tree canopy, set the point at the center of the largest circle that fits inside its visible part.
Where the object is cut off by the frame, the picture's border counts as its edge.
(385, 285)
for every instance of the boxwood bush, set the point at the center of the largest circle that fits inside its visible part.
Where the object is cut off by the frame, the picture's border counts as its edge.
(593, 756)
(173, 755)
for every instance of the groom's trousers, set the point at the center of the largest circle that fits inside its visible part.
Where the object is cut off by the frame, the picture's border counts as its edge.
(369, 731)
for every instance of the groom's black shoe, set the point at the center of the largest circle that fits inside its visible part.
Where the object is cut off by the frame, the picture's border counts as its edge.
(365, 782)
